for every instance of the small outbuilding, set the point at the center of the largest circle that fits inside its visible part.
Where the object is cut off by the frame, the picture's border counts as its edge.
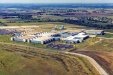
(95, 32)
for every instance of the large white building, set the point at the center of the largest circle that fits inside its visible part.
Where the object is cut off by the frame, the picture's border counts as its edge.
(49, 34)
(22, 38)
(47, 37)
(41, 38)
(76, 38)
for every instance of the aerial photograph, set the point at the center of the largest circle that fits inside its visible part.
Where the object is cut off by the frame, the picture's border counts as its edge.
(56, 37)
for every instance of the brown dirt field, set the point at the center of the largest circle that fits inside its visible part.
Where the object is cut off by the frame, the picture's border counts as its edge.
(105, 59)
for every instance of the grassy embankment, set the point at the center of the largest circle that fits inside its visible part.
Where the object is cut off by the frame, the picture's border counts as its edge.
(96, 44)
(17, 60)
(107, 35)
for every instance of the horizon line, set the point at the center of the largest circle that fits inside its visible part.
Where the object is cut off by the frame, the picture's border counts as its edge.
(56, 3)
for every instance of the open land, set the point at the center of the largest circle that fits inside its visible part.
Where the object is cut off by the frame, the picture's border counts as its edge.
(55, 59)
(26, 58)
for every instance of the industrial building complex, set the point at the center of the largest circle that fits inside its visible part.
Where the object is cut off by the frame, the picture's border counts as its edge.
(69, 36)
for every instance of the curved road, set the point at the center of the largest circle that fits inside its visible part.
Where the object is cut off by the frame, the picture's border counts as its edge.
(92, 61)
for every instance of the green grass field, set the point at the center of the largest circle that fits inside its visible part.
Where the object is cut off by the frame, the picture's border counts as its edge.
(110, 17)
(107, 35)
(15, 60)
(109, 30)
(3, 20)
(96, 44)
(45, 24)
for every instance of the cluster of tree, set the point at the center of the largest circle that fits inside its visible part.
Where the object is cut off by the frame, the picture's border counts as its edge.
(102, 23)
(98, 19)
(9, 14)
(26, 17)
(34, 20)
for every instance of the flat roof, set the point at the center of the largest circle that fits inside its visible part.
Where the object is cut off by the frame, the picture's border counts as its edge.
(47, 34)
(42, 38)
(25, 37)
(94, 30)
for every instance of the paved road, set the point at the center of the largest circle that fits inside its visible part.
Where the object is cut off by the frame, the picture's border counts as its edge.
(92, 61)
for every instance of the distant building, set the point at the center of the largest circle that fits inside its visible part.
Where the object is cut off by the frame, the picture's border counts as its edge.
(59, 27)
(56, 27)
(95, 32)
(62, 27)
(67, 33)
(82, 36)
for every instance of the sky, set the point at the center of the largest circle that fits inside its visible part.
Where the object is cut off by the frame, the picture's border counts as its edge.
(56, 1)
